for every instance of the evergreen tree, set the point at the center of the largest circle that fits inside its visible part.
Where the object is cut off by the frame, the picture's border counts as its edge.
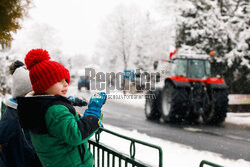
(221, 26)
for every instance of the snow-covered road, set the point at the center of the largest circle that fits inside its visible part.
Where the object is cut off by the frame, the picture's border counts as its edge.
(241, 119)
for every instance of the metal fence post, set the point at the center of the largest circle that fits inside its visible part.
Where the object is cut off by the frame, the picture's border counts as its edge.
(100, 149)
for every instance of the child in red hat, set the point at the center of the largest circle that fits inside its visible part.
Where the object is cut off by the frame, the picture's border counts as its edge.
(59, 136)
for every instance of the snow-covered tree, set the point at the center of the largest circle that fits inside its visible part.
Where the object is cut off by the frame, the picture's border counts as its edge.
(144, 44)
(45, 36)
(38, 36)
(131, 38)
(4, 64)
(221, 26)
(118, 36)
(42, 36)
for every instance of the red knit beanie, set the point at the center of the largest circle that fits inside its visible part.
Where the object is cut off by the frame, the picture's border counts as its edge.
(43, 72)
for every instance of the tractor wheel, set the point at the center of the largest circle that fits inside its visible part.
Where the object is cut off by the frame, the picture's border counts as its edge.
(174, 103)
(152, 104)
(218, 108)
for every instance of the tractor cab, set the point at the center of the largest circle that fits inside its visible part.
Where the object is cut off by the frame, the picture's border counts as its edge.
(191, 67)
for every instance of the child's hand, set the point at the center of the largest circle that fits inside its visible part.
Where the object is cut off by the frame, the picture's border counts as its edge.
(98, 99)
(78, 101)
(95, 104)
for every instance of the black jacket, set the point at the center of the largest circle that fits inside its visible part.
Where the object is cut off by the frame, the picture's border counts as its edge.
(16, 143)
(32, 110)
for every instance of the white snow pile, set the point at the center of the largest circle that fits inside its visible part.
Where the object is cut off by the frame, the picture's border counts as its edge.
(173, 154)
(238, 118)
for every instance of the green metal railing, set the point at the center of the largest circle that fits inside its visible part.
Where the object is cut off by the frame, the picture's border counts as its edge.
(207, 163)
(114, 158)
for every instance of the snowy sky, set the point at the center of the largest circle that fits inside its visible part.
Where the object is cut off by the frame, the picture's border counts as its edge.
(76, 22)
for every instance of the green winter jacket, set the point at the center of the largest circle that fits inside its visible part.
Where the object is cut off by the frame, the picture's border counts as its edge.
(59, 147)
(57, 138)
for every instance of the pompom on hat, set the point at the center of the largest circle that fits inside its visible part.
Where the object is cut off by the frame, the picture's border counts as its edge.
(43, 72)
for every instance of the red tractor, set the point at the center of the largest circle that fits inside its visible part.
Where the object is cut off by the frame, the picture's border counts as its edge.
(188, 93)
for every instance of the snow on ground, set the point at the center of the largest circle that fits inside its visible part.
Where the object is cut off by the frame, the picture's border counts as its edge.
(173, 154)
(238, 118)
